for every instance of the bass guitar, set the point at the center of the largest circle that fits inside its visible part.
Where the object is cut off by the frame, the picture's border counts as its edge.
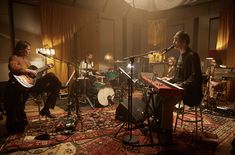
(27, 81)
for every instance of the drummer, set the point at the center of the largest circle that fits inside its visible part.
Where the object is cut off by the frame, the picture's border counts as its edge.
(87, 66)
(87, 70)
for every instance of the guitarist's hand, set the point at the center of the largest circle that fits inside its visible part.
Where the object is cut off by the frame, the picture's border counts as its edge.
(50, 65)
(31, 73)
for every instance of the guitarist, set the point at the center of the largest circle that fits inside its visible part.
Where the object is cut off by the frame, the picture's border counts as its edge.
(19, 65)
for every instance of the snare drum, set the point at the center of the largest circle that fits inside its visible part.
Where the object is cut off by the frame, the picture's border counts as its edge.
(100, 79)
(105, 95)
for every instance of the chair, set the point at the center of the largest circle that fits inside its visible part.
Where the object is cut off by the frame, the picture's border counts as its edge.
(192, 111)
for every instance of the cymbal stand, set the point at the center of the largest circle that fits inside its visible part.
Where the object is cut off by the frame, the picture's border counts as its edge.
(85, 89)
(73, 95)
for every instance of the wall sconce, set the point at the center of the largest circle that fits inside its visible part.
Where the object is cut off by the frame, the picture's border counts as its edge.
(45, 51)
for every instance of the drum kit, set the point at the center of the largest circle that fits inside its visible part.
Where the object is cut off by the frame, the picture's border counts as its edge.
(101, 89)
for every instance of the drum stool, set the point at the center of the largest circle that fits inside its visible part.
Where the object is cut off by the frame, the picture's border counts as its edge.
(197, 118)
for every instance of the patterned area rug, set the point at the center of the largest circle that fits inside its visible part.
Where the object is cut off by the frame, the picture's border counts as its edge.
(95, 133)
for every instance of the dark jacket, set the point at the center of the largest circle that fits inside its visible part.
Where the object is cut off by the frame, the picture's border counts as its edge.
(189, 76)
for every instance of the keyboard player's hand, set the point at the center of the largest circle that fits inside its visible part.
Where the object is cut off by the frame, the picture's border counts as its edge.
(165, 78)
(180, 85)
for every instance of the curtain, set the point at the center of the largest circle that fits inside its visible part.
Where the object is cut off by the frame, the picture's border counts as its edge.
(226, 32)
(157, 39)
(226, 40)
(72, 32)
(225, 28)
(157, 35)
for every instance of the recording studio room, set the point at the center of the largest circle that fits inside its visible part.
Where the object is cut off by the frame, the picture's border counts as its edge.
(117, 77)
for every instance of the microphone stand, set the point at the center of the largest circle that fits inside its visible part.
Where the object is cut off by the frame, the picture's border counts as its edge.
(73, 101)
(67, 84)
(131, 139)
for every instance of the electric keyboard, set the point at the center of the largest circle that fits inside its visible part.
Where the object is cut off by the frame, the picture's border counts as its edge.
(163, 87)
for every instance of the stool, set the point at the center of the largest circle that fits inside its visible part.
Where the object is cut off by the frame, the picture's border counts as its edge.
(39, 99)
(181, 112)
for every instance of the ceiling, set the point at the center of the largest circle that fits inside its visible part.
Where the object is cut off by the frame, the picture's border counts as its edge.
(100, 5)
(160, 5)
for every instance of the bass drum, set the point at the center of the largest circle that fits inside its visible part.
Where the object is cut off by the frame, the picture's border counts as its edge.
(105, 95)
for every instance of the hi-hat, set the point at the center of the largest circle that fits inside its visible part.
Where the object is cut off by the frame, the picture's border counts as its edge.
(87, 69)
(119, 61)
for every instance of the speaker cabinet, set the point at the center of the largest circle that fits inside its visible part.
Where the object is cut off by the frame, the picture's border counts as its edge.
(138, 109)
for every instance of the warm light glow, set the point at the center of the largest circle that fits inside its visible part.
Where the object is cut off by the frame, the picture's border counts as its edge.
(156, 57)
(222, 45)
(108, 57)
(46, 51)
(155, 5)
(223, 66)
(167, 4)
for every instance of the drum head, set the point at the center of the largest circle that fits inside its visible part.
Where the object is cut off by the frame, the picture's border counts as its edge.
(104, 95)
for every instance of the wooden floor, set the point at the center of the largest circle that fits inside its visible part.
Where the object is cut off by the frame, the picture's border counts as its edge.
(223, 148)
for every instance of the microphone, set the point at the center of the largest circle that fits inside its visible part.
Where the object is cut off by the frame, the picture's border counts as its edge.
(168, 49)
(45, 55)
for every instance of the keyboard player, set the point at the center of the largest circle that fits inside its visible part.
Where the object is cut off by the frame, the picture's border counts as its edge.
(188, 76)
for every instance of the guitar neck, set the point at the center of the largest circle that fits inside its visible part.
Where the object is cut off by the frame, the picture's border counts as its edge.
(42, 69)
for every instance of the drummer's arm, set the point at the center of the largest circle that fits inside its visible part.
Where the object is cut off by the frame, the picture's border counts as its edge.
(94, 72)
(97, 73)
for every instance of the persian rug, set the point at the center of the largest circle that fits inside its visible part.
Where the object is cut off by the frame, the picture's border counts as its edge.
(96, 132)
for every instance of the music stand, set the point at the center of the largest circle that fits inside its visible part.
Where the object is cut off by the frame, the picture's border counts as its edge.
(129, 139)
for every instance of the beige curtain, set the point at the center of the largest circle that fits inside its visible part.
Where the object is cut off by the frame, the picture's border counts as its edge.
(157, 36)
(226, 40)
(71, 31)
(226, 32)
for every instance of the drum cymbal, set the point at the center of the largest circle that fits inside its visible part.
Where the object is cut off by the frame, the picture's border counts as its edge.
(119, 61)
(82, 77)
(88, 69)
